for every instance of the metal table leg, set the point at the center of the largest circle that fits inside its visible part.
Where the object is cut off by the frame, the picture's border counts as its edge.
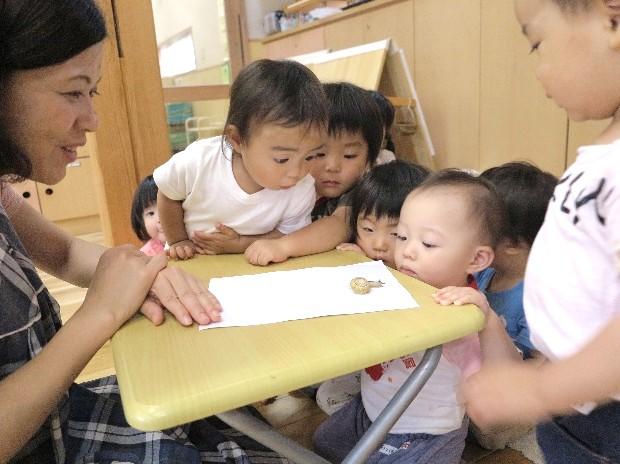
(268, 436)
(395, 408)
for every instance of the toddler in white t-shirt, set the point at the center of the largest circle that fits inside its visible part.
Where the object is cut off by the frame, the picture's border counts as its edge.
(221, 194)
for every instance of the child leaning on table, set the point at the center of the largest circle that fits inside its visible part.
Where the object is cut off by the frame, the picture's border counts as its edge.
(447, 230)
(355, 131)
(572, 279)
(375, 207)
(220, 194)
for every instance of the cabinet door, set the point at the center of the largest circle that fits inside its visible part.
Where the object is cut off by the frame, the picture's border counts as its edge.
(73, 197)
(28, 190)
(296, 44)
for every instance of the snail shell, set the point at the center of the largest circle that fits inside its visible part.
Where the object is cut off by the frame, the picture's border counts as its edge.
(360, 285)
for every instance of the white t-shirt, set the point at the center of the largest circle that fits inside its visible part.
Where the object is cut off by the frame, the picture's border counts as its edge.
(202, 177)
(572, 281)
(436, 410)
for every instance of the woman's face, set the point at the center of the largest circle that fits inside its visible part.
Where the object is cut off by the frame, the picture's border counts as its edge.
(47, 112)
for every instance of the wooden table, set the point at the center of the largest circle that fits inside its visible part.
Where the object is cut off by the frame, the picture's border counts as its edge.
(169, 375)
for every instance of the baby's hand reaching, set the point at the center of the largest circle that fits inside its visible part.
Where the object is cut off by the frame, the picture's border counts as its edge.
(222, 240)
(350, 247)
(263, 252)
(461, 296)
(183, 249)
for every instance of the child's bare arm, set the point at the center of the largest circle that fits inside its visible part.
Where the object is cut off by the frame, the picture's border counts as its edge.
(322, 235)
(521, 393)
(495, 343)
(171, 217)
(227, 240)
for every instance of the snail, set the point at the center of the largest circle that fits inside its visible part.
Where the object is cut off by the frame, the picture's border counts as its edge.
(361, 286)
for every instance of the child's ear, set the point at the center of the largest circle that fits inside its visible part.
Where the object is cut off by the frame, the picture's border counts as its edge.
(612, 12)
(483, 257)
(233, 136)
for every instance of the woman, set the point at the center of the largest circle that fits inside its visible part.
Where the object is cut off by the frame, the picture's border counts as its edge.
(50, 64)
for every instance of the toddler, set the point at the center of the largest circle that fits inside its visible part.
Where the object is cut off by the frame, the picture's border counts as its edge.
(145, 218)
(572, 278)
(355, 131)
(222, 193)
(375, 207)
(447, 230)
(387, 112)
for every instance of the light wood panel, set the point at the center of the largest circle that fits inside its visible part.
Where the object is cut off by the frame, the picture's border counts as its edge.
(115, 177)
(364, 69)
(298, 44)
(517, 121)
(143, 90)
(74, 197)
(393, 21)
(447, 77)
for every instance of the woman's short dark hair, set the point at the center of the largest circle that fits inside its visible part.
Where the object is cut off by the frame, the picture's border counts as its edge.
(383, 189)
(283, 92)
(387, 114)
(35, 34)
(352, 109)
(484, 202)
(526, 191)
(145, 196)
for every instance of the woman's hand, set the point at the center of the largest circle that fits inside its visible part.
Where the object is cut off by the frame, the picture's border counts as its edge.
(121, 281)
(184, 295)
(263, 252)
(461, 296)
(350, 247)
(184, 249)
(223, 240)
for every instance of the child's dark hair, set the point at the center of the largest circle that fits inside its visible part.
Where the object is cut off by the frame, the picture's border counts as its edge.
(383, 189)
(485, 203)
(282, 92)
(526, 191)
(145, 196)
(352, 109)
(35, 34)
(387, 113)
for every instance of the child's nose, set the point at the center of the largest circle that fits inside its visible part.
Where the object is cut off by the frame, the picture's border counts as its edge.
(333, 164)
(380, 244)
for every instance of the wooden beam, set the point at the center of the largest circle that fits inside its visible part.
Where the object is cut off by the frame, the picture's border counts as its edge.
(196, 93)
(115, 173)
(236, 29)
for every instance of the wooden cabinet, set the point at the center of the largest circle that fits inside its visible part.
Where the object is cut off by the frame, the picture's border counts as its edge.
(73, 197)
(474, 78)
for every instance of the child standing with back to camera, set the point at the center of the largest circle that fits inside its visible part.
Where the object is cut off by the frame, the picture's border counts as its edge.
(222, 193)
(572, 280)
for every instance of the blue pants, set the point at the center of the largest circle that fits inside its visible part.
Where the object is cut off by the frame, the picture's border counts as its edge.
(580, 439)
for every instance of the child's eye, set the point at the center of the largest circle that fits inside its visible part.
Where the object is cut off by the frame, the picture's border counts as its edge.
(394, 234)
(319, 155)
(534, 47)
(150, 213)
(73, 95)
(310, 157)
(367, 229)
(350, 156)
(94, 93)
(280, 160)
(428, 245)
(402, 238)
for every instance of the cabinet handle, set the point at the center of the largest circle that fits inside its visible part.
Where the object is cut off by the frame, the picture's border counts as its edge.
(49, 191)
(26, 194)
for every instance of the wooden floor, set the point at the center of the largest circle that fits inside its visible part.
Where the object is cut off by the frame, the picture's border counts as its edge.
(294, 414)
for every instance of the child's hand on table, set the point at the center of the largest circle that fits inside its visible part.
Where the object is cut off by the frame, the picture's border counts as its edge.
(183, 249)
(350, 247)
(461, 296)
(223, 240)
(263, 252)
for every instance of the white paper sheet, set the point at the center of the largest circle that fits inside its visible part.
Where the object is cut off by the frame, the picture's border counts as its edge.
(305, 293)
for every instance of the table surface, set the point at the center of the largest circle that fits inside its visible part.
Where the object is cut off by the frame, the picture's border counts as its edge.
(169, 375)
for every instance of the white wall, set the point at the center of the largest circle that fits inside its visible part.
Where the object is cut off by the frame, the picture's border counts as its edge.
(203, 17)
